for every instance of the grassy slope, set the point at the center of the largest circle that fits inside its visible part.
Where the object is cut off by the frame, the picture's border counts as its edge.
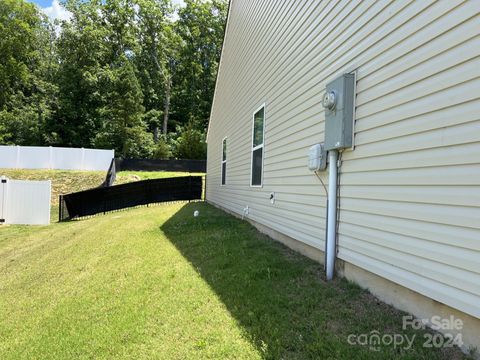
(158, 283)
(129, 176)
(68, 181)
(63, 181)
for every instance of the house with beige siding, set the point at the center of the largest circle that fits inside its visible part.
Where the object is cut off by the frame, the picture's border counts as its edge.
(403, 179)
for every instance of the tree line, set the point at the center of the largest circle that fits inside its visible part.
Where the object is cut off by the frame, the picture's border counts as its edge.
(137, 76)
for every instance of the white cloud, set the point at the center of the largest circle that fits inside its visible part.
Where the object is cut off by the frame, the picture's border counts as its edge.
(178, 3)
(57, 11)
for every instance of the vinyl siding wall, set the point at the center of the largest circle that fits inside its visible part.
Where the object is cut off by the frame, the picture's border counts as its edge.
(410, 190)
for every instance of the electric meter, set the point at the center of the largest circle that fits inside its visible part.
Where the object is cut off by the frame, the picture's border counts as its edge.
(339, 102)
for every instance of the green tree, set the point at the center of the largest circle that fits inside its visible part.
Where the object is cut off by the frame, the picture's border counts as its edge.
(113, 76)
(18, 21)
(190, 143)
(27, 67)
(101, 97)
(157, 58)
(162, 149)
(200, 27)
(82, 53)
(124, 128)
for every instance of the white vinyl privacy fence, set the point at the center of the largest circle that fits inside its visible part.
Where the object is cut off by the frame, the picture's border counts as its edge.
(48, 157)
(25, 202)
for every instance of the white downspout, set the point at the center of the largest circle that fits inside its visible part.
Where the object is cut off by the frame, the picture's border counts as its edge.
(331, 214)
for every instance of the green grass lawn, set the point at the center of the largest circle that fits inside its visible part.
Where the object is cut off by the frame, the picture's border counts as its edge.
(158, 283)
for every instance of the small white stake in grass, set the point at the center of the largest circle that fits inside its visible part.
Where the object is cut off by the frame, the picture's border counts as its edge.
(196, 213)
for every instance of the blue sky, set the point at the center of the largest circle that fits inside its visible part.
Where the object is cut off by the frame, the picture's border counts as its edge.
(54, 10)
(45, 3)
(42, 3)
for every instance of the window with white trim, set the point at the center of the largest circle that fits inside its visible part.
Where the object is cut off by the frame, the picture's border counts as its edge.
(258, 147)
(224, 161)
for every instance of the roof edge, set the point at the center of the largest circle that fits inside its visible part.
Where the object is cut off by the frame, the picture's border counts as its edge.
(219, 65)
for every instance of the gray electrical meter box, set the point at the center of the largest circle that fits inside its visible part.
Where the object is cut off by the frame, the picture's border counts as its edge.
(339, 102)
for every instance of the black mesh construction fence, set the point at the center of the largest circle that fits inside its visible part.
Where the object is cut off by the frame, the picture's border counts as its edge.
(104, 199)
(111, 175)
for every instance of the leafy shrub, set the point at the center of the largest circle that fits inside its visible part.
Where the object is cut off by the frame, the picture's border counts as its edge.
(190, 143)
(162, 149)
(139, 143)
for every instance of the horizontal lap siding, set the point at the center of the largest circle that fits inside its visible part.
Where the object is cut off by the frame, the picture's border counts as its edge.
(410, 191)
(298, 211)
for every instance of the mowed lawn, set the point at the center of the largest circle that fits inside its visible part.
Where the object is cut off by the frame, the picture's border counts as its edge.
(158, 283)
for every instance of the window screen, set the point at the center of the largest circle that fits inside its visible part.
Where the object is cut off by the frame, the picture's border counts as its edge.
(258, 127)
(224, 161)
(257, 147)
(257, 160)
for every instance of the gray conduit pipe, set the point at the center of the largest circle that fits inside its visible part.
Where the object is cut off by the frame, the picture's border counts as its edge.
(331, 213)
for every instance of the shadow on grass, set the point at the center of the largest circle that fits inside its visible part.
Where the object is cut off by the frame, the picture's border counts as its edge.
(280, 298)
